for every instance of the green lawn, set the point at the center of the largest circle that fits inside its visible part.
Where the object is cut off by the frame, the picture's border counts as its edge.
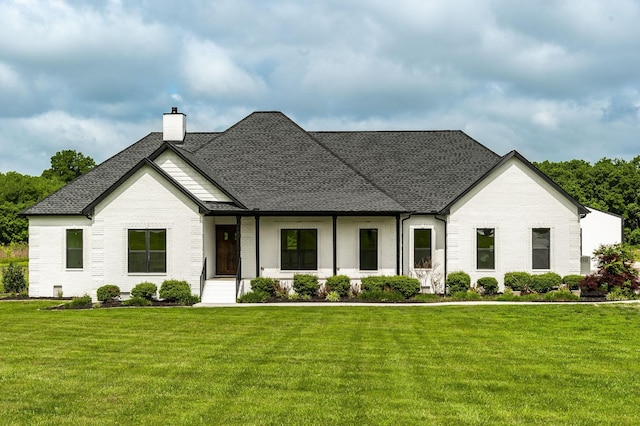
(506, 364)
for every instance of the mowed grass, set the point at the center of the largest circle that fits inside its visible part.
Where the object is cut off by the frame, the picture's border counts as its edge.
(506, 364)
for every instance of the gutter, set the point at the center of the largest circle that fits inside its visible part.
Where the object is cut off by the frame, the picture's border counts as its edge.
(402, 244)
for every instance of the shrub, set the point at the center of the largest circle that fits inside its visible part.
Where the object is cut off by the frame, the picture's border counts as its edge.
(517, 281)
(620, 293)
(406, 286)
(13, 279)
(426, 297)
(108, 293)
(572, 281)
(145, 291)
(615, 269)
(341, 284)
(543, 283)
(137, 301)
(560, 296)
(466, 295)
(333, 296)
(256, 296)
(458, 281)
(265, 285)
(489, 285)
(381, 296)
(306, 284)
(373, 283)
(176, 291)
(83, 302)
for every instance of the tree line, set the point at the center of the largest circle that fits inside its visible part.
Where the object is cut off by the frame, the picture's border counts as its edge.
(610, 185)
(18, 191)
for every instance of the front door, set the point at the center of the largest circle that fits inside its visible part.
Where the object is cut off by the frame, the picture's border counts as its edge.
(226, 254)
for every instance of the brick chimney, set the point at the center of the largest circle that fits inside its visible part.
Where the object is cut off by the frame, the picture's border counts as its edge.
(174, 126)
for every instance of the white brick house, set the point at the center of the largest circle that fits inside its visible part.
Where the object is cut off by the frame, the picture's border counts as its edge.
(267, 198)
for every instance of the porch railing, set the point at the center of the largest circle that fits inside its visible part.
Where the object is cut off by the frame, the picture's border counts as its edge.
(203, 277)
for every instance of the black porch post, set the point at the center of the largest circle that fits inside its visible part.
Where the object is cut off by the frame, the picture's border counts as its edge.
(257, 245)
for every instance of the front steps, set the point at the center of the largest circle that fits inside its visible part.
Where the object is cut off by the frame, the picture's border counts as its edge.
(219, 290)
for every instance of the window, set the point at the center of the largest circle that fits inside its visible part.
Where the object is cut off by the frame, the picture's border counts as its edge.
(299, 249)
(540, 248)
(147, 250)
(485, 248)
(368, 249)
(74, 249)
(422, 248)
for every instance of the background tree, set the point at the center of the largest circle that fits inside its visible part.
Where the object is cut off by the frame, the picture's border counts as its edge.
(18, 192)
(608, 185)
(68, 164)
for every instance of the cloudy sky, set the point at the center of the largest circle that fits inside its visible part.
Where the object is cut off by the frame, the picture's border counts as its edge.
(555, 80)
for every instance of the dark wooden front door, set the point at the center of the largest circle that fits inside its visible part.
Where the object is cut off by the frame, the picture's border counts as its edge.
(226, 251)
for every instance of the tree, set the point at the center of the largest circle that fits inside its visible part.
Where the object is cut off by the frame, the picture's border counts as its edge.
(615, 269)
(68, 164)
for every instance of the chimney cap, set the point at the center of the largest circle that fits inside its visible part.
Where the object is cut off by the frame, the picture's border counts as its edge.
(174, 110)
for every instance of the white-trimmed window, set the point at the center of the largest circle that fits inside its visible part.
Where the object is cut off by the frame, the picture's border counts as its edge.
(485, 248)
(541, 248)
(422, 252)
(369, 249)
(299, 249)
(147, 250)
(74, 249)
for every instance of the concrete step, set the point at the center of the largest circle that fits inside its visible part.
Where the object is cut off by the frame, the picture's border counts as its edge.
(219, 290)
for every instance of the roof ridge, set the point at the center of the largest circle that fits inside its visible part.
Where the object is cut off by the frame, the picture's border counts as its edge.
(356, 171)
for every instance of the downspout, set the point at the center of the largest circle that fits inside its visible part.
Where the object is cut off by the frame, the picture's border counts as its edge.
(257, 217)
(335, 245)
(398, 252)
(445, 252)
(402, 244)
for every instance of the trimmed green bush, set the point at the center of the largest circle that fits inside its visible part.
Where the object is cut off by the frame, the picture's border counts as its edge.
(406, 286)
(13, 279)
(572, 281)
(543, 283)
(458, 281)
(517, 281)
(176, 291)
(108, 293)
(381, 296)
(257, 296)
(265, 285)
(145, 291)
(83, 302)
(341, 284)
(373, 283)
(489, 285)
(137, 301)
(306, 284)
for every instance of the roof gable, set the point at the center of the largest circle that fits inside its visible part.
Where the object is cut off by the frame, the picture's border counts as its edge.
(277, 166)
(582, 210)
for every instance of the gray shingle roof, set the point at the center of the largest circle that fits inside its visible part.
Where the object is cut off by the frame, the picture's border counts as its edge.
(424, 170)
(268, 163)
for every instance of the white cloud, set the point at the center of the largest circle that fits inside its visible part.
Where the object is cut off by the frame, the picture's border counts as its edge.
(209, 70)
